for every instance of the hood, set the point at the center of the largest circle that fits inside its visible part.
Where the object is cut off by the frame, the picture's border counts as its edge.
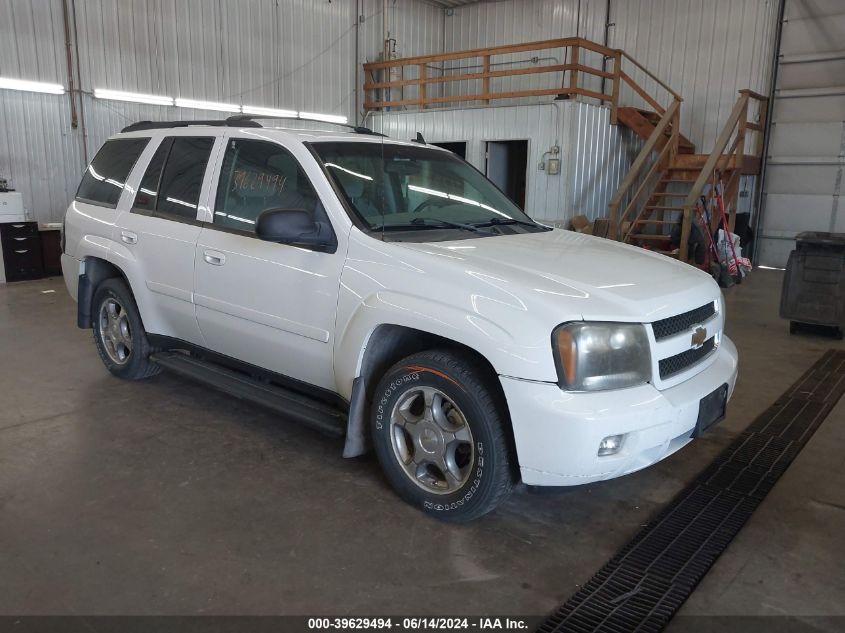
(595, 278)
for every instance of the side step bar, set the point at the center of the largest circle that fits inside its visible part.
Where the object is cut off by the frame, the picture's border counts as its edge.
(302, 409)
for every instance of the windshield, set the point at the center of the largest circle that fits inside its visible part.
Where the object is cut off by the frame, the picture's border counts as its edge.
(400, 187)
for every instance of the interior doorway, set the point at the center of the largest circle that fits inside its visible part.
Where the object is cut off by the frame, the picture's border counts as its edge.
(507, 167)
(456, 147)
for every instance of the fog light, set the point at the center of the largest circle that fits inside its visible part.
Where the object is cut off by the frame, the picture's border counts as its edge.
(610, 445)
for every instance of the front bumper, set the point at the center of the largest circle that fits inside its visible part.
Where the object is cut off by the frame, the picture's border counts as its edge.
(558, 433)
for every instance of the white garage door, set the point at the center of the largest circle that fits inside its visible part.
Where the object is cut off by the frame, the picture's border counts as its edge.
(807, 144)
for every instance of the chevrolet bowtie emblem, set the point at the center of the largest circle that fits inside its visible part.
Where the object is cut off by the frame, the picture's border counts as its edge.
(699, 335)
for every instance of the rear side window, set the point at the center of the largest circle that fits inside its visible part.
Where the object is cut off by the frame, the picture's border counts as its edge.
(147, 196)
(256, 176)
(181, 179)
(105, 178)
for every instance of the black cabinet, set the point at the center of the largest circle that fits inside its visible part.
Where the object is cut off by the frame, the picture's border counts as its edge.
(21, 251)
(51, 251)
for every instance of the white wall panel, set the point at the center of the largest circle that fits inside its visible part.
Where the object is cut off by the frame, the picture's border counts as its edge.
(806, 139)
(811, 211)
(812, 179)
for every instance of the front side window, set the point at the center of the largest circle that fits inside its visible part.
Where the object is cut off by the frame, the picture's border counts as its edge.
(257, 176)
(105, 178)
(399, 188)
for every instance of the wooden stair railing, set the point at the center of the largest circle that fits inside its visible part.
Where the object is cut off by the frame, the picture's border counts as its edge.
(731, 164)
(378, 90)
(726, 164)
(642, 171)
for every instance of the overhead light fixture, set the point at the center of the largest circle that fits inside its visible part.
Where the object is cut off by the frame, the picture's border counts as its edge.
(134, 97)
(328, 118)
(31, 86)
(259, 111)
(207, 105)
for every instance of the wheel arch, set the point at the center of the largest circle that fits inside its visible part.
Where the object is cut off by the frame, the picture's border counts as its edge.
(96, 271)
(387, 345)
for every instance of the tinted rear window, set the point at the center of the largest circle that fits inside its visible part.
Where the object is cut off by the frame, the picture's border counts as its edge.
(181, 180)
(105, 178)
(147, 195)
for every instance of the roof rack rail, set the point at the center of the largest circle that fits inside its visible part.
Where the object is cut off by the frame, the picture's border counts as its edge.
(239, 119)
(158, 125)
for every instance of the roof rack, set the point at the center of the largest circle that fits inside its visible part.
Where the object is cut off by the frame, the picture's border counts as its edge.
(158, 125)
(239, 119)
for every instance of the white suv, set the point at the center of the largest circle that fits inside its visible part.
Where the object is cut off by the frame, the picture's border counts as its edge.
(388, 292)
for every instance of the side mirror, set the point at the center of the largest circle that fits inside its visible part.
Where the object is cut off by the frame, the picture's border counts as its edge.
(295, 227)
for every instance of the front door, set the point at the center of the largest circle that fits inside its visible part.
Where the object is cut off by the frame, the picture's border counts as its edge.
(267, 304)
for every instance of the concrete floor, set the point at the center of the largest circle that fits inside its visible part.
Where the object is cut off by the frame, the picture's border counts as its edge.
(165, 497)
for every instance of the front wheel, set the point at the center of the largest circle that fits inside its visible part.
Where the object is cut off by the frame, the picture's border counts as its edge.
(440, 433)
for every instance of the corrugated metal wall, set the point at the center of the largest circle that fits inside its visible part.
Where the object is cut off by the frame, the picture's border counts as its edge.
(594, 154)
(39, 152)
(301, 54)
(414, 28)
(297, 54)
(498, 23)
(706, 50)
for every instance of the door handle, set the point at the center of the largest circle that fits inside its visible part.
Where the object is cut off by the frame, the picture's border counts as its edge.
(128, 237)
(214, 258)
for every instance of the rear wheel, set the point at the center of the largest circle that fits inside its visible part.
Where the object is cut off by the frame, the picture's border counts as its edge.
(440, 433)
(119, 334)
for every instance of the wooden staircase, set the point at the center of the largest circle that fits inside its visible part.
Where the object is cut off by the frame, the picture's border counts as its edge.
(643, 122)
(661, 191)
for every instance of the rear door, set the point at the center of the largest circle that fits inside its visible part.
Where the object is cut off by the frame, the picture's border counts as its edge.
(103, 190)
(161, 229)
(267, 304)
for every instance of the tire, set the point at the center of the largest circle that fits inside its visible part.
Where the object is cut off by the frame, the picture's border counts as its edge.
(119, 333)
(440, 434)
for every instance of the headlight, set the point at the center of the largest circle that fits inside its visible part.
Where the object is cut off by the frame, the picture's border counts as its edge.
(598, 356)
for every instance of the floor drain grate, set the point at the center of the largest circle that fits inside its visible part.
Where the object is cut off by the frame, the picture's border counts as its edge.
(643, 586)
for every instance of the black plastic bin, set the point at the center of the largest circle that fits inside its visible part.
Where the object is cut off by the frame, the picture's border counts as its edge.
(814, 283)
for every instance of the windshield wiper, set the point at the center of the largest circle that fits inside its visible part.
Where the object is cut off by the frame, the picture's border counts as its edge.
(504, 221)
(430, 223)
